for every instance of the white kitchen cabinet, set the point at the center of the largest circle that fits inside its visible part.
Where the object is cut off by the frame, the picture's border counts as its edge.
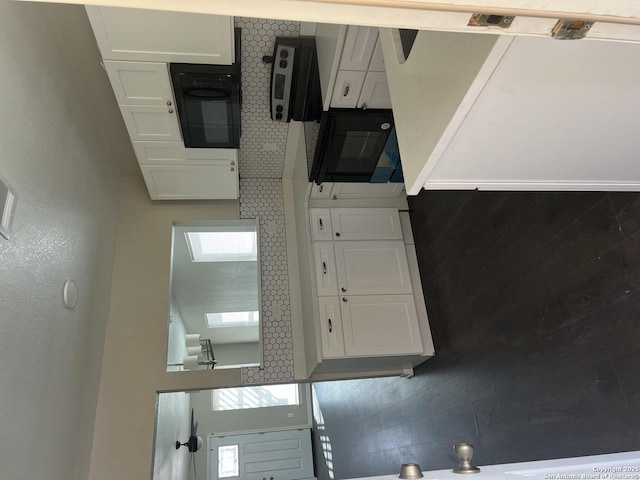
(321, 191)
(359, 45)
(331, 327)
(372, 267)
(326, 275)
(343, 191)
(140, 83)
(380, 325)
(375, 91)
(151, 123)
(175, 153)
(321, 224)
(365, 224)
(189, 182)
(162, 36)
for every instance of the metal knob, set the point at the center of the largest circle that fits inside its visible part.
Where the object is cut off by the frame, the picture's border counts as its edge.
(168, 103)
(343, 289)
(171, 110)
(233, 169)
(233, 163)
(344, 299)
(464, 452)
(337, 234)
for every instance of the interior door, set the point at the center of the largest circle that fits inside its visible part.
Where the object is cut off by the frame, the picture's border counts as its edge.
(281, 455)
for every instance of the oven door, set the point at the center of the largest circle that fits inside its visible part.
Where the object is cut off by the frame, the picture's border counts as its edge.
(352, 143)
(208, 107)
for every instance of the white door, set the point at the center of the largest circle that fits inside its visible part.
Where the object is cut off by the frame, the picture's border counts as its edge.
(282, 455)
(140, 83)
(375, 91)
(366, 224)
(190, 182)
(380, 325)
(160, 36)
(150, 123)
(372, 268)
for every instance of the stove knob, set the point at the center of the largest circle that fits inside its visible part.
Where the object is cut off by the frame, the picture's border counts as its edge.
(279, 108)
(284, 54)
(283, 64)
(278, 116)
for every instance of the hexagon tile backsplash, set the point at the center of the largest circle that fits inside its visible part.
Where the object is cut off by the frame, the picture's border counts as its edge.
(263, 141)
(261, 161)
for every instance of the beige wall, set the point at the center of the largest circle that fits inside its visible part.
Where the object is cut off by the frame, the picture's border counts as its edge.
(135, 348)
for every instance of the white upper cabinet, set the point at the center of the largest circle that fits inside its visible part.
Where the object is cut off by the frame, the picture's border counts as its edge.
(160, 36)
(140, 83)
(190, 182)
(150, 123)
(174, 153)
(358, 48)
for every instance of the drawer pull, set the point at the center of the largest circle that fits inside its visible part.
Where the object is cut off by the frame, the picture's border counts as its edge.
(321, 224)
(324, 268)
(337, 234)
(347, 87)
(320, 188)
(330, 326)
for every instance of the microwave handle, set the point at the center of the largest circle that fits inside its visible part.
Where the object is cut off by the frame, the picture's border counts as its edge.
(212, 93)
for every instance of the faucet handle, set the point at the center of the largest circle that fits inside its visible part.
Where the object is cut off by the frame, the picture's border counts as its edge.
(464, 452)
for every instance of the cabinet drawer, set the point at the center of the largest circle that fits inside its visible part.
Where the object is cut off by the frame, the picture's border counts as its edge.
(321, 191)
(366, 224)
(347, 89)
(321, 224)
(343, 191)
(331, 327)
(325, 268)
(380, 325)
(372, 268)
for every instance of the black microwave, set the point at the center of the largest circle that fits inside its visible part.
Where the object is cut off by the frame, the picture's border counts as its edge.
(208, 102)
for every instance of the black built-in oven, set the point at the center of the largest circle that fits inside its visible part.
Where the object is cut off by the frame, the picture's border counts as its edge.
(350, 144)
(208, 98)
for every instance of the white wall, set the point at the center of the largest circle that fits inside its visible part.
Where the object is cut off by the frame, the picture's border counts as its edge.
(58, 160)
(134, 363)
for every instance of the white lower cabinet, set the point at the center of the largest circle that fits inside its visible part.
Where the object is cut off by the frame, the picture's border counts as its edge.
(190, 182)
(380, 325)
(331, 327)
(326, 277)
(372, 268)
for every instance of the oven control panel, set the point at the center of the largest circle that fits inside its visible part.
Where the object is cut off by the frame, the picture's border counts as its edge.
(282, 77)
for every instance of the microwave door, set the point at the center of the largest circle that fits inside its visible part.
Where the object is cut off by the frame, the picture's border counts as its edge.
(210, 118)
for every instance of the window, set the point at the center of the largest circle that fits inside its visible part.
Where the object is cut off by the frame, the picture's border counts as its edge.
(232, 319)
(228, 464)
(222, 246)
(255, 397)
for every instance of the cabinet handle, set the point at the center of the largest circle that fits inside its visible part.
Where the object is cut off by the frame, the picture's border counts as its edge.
(320, 188)
(330, 326)
(171, 110)
(337, 234)
(344, 299)
(364, 106)
(233, 169)
(347, 87)
(343, 289)
(168, 103)
(324, 268)
(321, 224)
(233, 163)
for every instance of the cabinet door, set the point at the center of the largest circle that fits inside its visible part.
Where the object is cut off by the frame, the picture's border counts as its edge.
(375, 91)
(321, 224)
(377, 59)
(326, 277)
(347, 89)
(331, 327)
(161, 36)
(380, 325)
(185, 182)
(149, 123)
(366, 224)
(321, 191)
(175, 153)
(372, 268)
(140, 83)
(358, 48)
